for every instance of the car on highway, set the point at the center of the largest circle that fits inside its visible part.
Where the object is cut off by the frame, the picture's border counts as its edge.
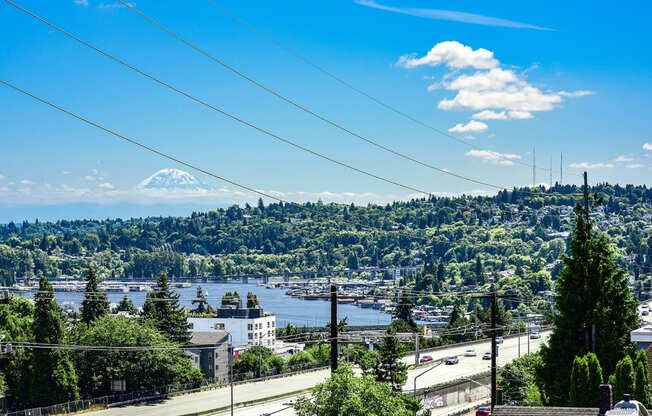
(645, 306)
(486, 356)
(483, 411)
(645, 312)
(535, 335)
(470, 353)
(452, 360)
(499, 340)
(425, 358)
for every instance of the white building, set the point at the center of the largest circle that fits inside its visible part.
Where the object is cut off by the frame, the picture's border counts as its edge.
(247, 326)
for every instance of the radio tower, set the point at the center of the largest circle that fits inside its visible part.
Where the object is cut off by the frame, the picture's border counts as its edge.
(561, 168)
(534, 167)
(551, 171)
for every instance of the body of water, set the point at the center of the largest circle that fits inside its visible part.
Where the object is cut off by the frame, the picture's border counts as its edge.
(298, 312)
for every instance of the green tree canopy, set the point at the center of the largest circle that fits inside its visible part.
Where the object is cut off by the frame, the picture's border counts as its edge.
(345, 394)
(53, 377)
(141, 370)
(592, 297)
(95, 303)
(162, 310)
(579, 389)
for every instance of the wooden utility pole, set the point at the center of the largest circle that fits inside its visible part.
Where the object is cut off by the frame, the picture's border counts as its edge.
(333, 328)
(494, 382)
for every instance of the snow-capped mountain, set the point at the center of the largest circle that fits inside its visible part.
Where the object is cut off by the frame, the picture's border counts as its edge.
(172, 179)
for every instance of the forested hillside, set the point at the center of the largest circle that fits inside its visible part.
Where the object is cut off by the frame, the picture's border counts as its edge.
(526, 229)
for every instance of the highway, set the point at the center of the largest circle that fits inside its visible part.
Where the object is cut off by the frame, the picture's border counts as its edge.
(292, 386)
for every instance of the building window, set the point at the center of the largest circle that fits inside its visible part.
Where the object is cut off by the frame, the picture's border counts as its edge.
(273, 324)
(268, 324)
(251, 336)
(192, 325)
(250, 327)
(219, 325)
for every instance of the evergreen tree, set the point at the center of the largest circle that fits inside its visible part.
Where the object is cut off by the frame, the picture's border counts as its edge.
(595, 379)
(478, 270)
(643, 389)
(162, 309)
(624, 378)
(126, 305)
(441, 274)
(389, 368)
(95, 303)
(592, 297)
(53, 376)
(403, 310)
(579, 383)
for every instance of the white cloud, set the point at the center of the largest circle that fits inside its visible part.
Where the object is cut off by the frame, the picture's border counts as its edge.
(452, 15)
(89, 178)
(623, 159)
(470, 127)
(481, 83)
(490, 115)
(576, 93)
(493, 79)
(2, 177)
(65, 172)
(106, 185)
(647, 146)
(491, 135)
(587, 165)
(27, 182)
(454, 55)
(81, 2)
(634, 166)
(503, 115)
(504, 159)
(513, 98)
(519, 115)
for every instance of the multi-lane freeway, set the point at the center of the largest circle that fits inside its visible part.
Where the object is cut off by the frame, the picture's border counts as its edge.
(267, 392)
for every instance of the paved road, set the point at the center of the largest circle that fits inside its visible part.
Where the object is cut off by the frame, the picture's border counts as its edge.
(205, 401)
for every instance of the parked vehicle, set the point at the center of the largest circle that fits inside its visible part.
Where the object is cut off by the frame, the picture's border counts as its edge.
(499, 340)
(425, 358)
(486, 356)
(470, 353)
(535, 335)
(452, 360)
(483, 411)
(645, 312)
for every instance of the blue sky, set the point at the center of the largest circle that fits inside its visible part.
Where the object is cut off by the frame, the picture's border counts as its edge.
(558, 76)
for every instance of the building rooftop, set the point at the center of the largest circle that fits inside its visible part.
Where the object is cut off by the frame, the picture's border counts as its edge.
(208, 338)
(544, 411)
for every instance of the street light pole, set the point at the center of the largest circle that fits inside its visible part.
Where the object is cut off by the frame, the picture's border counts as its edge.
(231, 369)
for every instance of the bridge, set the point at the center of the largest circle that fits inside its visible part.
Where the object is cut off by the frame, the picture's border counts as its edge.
(306, 275)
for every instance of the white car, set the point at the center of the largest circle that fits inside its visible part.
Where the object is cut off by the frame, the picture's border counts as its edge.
(470, 353)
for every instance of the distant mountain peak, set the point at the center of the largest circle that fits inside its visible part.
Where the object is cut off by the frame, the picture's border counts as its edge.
(173, 179)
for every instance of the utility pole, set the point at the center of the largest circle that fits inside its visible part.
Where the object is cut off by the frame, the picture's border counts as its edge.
(333, 328)
(416, 348)
(231, 369)
(493, 296)
(551, 171)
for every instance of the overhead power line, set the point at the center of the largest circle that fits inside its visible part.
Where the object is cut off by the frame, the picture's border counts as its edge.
(297, 105)
(260, 129)
(353, 87)
(227, 114)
